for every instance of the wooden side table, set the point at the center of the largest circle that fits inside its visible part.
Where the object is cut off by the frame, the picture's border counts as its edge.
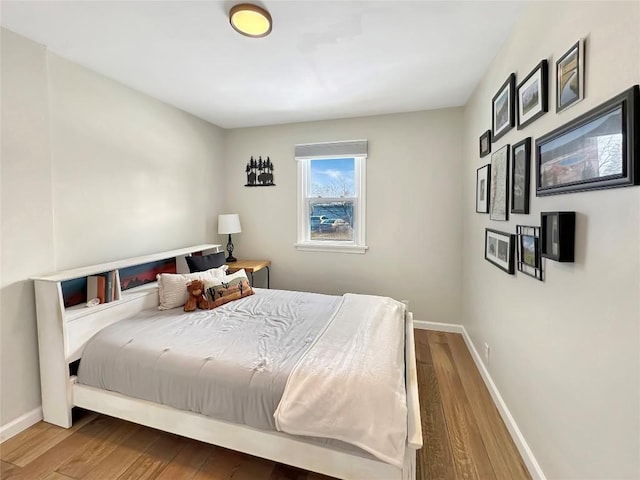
(250, 266)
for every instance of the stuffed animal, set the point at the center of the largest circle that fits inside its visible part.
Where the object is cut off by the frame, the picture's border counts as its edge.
(196, 296)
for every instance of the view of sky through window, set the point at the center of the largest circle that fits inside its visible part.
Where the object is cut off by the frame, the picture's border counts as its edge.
(333, 177)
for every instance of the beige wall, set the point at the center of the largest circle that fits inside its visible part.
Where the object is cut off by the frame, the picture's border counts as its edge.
(26, 235)
(565, 354)
(132, 175)
(92, 171)
(413, 205)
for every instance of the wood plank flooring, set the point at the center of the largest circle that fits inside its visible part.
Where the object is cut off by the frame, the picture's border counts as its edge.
(464, 437)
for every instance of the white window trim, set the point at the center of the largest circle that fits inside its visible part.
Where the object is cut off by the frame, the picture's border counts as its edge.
(358, 245)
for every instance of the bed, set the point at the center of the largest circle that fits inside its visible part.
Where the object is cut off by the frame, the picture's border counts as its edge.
(251, 417)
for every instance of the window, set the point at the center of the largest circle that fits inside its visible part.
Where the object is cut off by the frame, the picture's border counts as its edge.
(331, 196)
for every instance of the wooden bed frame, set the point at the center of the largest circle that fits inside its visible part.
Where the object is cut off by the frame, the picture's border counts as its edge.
(63, 333)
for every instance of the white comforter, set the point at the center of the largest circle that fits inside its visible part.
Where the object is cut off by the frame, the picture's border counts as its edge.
(350, 383)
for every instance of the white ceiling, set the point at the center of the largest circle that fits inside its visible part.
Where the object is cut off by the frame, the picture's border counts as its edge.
(323, 59)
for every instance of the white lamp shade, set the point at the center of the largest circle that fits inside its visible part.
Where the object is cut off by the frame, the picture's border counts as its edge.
(229, 223)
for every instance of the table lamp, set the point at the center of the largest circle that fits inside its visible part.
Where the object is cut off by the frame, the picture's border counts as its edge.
(228, 224)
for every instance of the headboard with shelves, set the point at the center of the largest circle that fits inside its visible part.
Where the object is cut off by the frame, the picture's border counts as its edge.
(63, 331)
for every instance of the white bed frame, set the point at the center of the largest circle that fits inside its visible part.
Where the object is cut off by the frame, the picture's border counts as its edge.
(63, 333)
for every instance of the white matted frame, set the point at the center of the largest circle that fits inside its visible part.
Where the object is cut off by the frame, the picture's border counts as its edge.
(570, 77)
(62, 339)
(499, 249)
(483, 188)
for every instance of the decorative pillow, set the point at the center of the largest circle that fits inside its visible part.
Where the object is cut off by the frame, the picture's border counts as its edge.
(232, 276)
(231, 287)
(172, 286)
(200, 263)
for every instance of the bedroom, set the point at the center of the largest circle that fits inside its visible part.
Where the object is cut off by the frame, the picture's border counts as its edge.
(565, 352)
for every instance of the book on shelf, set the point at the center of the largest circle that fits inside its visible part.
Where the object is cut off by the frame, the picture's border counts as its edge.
(96, 287)
(108, 288)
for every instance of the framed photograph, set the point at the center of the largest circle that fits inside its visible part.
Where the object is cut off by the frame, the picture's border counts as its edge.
(558, 235)
(485, 143)
(570, 77)
(499, 249)
(529, 259)
(532, 95)
(596, 150)
(520, 176)
(498, 190)
(503, 108)
(482, 189)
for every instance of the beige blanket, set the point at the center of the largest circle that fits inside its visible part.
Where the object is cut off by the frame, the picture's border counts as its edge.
(350, 384)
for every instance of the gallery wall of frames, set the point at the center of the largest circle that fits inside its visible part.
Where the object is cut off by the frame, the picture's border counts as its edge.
(597, 150)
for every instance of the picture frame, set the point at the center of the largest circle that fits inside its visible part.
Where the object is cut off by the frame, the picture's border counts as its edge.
(557, 233)
(483, 187)
(499, 249)
(485, 143)
(532, 96)
(520, 176)
(499, 187)
(529, 258)
(570, 77)
(502, 105)
(597, 150)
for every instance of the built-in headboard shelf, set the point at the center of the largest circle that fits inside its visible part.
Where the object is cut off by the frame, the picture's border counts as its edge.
(64, 330)
(127, 262)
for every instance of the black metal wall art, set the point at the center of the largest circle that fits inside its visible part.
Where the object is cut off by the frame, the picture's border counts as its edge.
(259, 173)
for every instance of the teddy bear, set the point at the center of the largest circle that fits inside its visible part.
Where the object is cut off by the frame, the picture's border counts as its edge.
(196, 296)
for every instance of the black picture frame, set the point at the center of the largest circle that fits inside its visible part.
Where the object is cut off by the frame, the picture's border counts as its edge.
(597, 150)
(483, 188)
(557, 234)
(520, 176)
(529, 257)
(532, 95)
(570, 77)
(499, 189)
(499, 249)
(485, 143)
(503, 108)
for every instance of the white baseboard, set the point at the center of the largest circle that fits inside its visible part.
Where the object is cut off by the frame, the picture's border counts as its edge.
(440, 327)
(519, 440)
(19, 424)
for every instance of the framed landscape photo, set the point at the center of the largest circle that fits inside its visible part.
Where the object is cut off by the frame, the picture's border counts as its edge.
(529, 259)
(498, 189)
(532, 95)
(482, 189)
(503, 108)
(485, 143)
(520, 176)
(570, 77)
(499, 249)
(594, 151)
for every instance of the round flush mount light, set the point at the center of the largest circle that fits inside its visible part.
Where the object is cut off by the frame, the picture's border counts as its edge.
(250, 20)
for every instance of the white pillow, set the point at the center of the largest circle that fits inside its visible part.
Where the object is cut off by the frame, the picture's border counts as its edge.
(172, 287)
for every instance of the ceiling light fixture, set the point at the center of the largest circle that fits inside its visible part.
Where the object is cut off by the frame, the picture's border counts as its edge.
(250, 20)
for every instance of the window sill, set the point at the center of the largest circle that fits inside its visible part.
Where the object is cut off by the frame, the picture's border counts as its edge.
(315, 247)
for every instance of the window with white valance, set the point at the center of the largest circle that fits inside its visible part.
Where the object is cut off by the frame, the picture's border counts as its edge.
(331, 196)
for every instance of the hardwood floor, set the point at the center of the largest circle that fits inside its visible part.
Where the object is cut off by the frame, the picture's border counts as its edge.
(464, 437)
(463, 433)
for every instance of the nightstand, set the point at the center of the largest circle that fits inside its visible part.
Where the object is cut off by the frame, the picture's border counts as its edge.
(250, 266)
